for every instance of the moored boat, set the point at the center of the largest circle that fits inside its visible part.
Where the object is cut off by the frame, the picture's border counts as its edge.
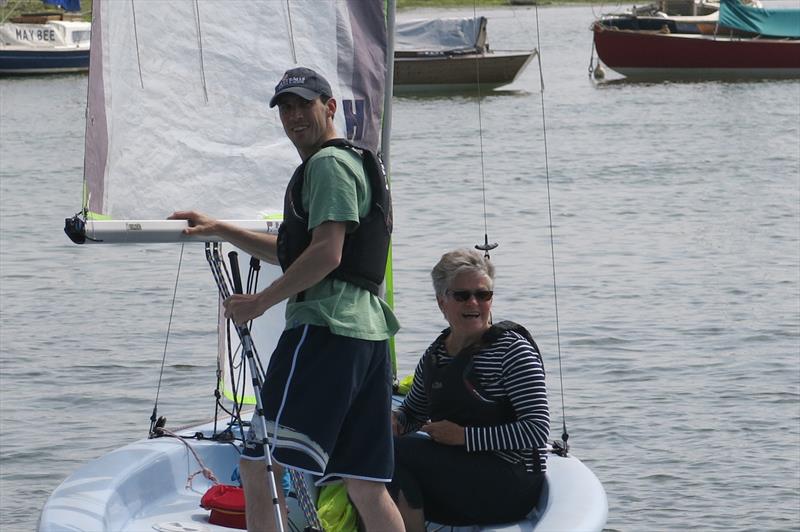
(688, 24)
(675, 16)
(738, 47)
(50, 47)
(451, 54)
(44, 43)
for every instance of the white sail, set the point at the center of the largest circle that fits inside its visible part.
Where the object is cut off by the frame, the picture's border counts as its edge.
(178, 114)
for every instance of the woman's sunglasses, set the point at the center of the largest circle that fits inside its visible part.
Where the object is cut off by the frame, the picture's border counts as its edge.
(464, 295)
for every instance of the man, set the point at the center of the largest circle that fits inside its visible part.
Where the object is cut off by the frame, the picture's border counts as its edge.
(328, 384)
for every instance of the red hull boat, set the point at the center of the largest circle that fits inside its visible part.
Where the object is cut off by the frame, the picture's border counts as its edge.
(653, 54)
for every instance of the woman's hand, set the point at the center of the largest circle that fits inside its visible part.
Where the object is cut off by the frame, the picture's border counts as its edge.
(395, 424)
(445, 432)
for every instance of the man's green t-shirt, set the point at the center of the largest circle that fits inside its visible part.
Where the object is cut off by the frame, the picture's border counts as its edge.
(336, 189)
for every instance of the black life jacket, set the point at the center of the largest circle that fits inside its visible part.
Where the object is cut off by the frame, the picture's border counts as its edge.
(453, 393)
(366, 249)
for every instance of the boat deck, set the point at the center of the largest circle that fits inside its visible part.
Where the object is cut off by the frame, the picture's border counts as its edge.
(144, 486)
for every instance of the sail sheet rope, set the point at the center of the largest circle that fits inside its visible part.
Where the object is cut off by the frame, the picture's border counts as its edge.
(204, 469)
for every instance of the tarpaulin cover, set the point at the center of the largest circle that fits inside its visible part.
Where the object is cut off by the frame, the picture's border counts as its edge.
(66, 5)
(774, 22)
(439, 35)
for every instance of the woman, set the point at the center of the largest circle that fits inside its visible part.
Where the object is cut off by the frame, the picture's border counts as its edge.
(479, 395)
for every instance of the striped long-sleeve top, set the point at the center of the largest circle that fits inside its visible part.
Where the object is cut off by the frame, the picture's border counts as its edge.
(510, 368)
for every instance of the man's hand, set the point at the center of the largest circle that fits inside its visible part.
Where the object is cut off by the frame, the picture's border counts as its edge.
(445, 432)
(242, 308)
(199, 223)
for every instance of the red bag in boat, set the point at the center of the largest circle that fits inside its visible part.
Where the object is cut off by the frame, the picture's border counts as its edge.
(226, 504)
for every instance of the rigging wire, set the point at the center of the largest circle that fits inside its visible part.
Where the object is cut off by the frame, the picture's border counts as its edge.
(485, 247)
(564, 435)
(154, 415)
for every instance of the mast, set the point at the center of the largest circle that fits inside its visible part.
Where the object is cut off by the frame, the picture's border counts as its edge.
(388, 89)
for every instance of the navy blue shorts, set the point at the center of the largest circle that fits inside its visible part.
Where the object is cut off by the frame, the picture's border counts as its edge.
(331, 396)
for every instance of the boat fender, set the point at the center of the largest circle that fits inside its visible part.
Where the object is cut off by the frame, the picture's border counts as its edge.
(226, 504)
(599, 72)
(404, 386)
(335, 510)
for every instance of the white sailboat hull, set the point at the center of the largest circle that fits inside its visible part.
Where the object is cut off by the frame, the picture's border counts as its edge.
(143, 486)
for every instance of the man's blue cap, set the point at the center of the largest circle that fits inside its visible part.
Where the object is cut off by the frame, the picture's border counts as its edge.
(303, 82)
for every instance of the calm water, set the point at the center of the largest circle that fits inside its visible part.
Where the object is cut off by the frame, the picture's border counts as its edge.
(677, 237)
